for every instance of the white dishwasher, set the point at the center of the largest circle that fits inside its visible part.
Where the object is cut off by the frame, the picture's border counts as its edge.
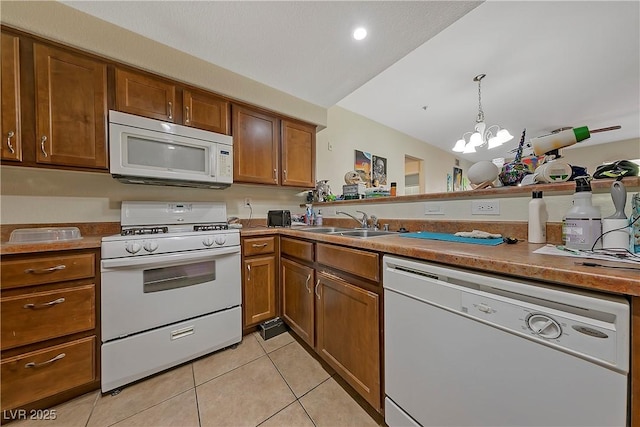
(472, 349)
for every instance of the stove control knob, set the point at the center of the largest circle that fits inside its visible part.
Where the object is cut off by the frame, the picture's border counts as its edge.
(150, 246)
(207, 241)
(132, 247)
(220, 240)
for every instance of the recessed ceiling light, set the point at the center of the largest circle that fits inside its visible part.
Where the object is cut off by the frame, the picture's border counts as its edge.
(359, 33)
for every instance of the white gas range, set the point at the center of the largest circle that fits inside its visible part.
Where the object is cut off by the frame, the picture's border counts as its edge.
(170, 288)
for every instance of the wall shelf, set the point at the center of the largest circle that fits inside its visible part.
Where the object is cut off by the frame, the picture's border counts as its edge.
(598, 186)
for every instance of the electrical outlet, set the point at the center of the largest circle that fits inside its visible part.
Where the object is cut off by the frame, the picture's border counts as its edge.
(485, 207)
(431, 208)
(247, 201)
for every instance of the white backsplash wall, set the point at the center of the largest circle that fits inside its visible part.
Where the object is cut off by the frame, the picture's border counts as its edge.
(37, 196)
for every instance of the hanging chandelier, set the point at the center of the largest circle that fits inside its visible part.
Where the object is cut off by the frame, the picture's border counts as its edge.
(493, 136)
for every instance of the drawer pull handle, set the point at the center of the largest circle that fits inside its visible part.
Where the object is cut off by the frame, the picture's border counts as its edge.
(188, 119)
(37, 365)
(45, 270)
(316, 288)
(45, 305)
(170, 110)
(181, 333)
(306, 284)
(248, 272)
(261, 245)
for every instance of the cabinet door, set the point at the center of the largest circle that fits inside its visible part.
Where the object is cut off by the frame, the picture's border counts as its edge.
(255, 147)
(297, 299)
(205, 111)
(259, 289)
(298, 154)
(347, 327)
(71, 109)
(145, 95)
(10, 129)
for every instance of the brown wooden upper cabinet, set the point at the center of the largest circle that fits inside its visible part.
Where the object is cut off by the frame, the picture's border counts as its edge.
(268, 150)
(145, 95)
(256, 146)
(205, 111)
(298, 154)
(11, 129)
(71, 108)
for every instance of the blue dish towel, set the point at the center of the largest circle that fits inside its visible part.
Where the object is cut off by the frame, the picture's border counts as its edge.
(452, 238)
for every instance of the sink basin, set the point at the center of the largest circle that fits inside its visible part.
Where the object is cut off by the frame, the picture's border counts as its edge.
(324, 229)
(364, 233)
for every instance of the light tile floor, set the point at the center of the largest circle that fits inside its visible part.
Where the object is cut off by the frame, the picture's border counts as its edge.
(259, 383)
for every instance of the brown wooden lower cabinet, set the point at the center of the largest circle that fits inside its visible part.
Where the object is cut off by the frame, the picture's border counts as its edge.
(297, 299)
(347, 333)
(259, 280)
(338, 317)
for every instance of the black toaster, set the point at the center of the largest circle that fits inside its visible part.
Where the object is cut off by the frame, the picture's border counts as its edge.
(281, 218)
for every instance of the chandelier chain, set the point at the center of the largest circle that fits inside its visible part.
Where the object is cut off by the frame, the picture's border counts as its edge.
(480, 112)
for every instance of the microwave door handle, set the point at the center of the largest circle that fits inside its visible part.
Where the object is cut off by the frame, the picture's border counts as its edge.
(154, 260)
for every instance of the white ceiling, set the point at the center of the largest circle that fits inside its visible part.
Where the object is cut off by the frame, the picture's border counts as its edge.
(549, 64)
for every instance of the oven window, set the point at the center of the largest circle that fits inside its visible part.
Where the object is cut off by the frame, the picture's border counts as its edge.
(178, 276)
(165, 155)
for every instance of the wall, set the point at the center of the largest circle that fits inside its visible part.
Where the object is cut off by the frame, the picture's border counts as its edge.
(594, 155)
(347, 132)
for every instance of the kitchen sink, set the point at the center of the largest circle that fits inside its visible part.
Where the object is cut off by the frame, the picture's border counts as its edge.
(325, 229)
(364, 233)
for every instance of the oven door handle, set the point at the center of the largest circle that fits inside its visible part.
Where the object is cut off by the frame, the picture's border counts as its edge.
(178, 257)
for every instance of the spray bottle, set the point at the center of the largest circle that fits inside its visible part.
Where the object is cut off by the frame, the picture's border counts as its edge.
(583, 222)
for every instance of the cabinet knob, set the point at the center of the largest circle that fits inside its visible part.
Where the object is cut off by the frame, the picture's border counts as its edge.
(10, 135)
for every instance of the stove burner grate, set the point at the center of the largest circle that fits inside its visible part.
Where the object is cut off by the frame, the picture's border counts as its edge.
(143, 230)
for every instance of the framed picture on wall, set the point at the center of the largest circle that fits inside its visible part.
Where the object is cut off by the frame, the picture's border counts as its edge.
(457, 179)
(362, 165)
(379, 173)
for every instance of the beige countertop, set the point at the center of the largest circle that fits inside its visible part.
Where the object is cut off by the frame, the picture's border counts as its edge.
(513, 260)
(516, 260)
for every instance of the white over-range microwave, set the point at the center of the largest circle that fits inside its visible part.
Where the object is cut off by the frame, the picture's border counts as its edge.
(147, 151)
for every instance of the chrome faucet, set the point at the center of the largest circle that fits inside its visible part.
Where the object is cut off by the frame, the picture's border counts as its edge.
(362, 222)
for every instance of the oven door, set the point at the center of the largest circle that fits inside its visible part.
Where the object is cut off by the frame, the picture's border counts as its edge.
(142, 293)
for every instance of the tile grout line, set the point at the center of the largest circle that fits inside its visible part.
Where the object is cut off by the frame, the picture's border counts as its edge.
(294, 394)
(195, 391)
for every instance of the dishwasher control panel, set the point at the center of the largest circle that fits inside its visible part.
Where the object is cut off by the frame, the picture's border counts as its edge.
(581, 335)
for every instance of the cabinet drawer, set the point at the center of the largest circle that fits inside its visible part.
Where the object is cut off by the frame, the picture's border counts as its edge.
(297, 248)
(39, 374)
(258, 245)
(43, 315)
(46, 269)
(361, 263)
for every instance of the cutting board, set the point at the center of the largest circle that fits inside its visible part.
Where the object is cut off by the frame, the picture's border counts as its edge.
(452, 238)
